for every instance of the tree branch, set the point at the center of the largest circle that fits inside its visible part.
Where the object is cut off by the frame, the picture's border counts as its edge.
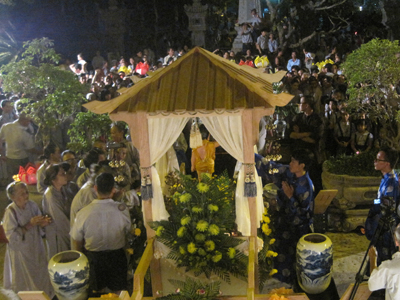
(304, 40)
(329, 7)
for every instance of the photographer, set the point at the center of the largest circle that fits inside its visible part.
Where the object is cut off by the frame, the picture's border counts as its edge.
(386, 203)
(386, 276)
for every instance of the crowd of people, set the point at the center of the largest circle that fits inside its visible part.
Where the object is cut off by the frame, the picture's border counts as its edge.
(107, 175)
(75, 190)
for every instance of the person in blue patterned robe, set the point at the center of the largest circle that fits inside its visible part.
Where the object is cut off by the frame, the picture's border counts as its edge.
(385, 162)
(292, 211)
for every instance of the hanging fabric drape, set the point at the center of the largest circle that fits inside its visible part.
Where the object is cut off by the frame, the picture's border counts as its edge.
(167, 163)
(163, 132)
(227, 131)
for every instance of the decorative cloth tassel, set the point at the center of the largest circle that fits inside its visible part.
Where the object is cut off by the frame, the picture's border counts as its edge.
(149, 187)
(144, 192)
(250, 188)
(195, 136)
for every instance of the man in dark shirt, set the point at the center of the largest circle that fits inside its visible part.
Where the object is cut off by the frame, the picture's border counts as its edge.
(307, 132)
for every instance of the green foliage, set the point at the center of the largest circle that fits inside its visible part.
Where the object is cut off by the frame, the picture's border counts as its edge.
(202, 217)
(86, 128)
(51, 95)
(9, 48)
(357, 165)
(372, 71)
(40, 50)
(193, 290)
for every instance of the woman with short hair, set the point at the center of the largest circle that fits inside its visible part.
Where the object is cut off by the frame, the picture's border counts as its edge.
(57, 205)
(25, 264)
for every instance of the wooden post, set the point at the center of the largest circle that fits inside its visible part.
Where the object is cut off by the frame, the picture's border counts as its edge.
(248, 155)
(140, 137)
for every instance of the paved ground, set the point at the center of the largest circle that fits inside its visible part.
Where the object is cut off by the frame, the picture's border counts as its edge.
(348, 249)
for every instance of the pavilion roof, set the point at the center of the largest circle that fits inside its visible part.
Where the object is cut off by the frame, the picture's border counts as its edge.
(200, 81)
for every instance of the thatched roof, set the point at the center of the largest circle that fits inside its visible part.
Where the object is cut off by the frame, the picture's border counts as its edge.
(200, 81)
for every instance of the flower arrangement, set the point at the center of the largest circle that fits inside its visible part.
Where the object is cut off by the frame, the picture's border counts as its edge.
(193, 290)
(198, 232)
(266, 255)
(137, 237)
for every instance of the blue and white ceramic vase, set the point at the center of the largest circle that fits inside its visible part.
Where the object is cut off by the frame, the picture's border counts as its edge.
(69, 275)
(314, 262)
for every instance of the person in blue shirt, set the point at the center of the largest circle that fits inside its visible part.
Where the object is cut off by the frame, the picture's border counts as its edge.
(385, 161)
(294, 61)
(293, 211)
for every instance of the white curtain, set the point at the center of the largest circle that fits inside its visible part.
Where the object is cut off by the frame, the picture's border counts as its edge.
(227, 131)
(167, 163)
(163, 132)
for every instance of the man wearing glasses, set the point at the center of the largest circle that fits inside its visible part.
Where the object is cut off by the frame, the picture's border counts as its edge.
(385, 161)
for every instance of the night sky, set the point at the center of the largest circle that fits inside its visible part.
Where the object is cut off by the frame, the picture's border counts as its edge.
(76, 25)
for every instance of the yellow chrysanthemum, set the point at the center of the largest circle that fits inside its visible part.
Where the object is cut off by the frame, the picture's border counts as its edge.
(185, 220)
(197, 209)
(200, 237)
(185, 198)
(182, 250)
(265, 228)
(272, 241)
(231, 253)
(138, 231)
(217, 257)
(202, 187)
(212, 207)
(202, 225)
(202, 252)
(191, 248)
(273, 271)
(176, 196)
(265, 210)
(271, 254)
(213, 229)
(209, 245)
(266, 219)
(159, 230)
(181, 231)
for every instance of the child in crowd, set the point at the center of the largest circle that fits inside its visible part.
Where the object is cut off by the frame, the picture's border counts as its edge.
(362, 139)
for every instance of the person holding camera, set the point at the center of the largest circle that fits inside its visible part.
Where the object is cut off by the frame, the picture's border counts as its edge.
(386, 203)
(387, 275)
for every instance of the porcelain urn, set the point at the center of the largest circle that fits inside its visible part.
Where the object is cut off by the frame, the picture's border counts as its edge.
(314, 262)
(69, 275)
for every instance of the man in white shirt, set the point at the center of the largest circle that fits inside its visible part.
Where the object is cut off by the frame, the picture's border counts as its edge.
(294, 61)
(100, 230)
(272, 45)
(387, 275)
(19, 143)
(170, 58)
(262, 43)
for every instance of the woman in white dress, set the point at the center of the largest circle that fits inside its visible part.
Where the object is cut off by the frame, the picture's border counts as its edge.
(57, 205)
(52, 155)
(25, 263)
